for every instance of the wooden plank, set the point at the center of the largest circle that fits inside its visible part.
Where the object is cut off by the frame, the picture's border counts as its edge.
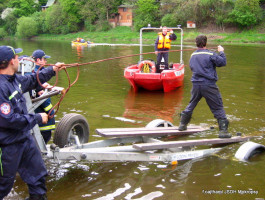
(159, 131)
(141, 129)
(184, 143)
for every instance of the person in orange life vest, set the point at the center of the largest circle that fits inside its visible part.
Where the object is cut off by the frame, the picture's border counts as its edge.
(46, 129)
(162, 43)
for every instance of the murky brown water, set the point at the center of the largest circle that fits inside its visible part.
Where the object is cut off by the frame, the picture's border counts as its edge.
(104, 97)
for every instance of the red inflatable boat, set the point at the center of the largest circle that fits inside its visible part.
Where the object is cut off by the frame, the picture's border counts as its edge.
(143, 75)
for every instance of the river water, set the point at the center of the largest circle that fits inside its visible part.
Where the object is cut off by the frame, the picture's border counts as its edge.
(105, 98)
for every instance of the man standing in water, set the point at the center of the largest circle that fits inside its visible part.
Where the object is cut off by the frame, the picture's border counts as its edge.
(203, 65)
(163, 43)
(18, 149)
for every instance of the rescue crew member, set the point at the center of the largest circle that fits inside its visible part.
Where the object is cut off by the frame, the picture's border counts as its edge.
(46, 129)
(203, 65)
(163, 43)
(18, 149)
(80, 40)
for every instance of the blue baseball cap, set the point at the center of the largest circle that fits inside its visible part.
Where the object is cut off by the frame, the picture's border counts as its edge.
(39, 54)
(7, 53)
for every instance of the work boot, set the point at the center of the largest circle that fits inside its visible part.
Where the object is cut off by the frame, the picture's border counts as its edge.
(223, 126)
(36, 197)
(184, 120)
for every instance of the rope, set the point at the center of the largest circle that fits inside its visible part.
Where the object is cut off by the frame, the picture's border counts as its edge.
(120, 57)
(88, 63)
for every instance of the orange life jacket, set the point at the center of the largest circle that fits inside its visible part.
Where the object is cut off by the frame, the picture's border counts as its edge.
(164, 41)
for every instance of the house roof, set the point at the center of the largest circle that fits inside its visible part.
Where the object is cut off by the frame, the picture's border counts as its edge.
(50, 3)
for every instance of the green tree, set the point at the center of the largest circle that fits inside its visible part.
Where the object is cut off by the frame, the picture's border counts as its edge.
(181, 11)
(169, 20)
(55, 20)
(88, 10)
(3, 33)
(200, 11)
(222, 10)
(10, 24)
(43, 2)
(88, 14)
(246, 13)
(97, 12)
(146, 13)
(23, 7)
(40, 19)
(26, 27)
(71, 14)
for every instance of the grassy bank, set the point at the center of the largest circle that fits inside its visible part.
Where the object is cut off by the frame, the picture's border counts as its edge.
(125, 35)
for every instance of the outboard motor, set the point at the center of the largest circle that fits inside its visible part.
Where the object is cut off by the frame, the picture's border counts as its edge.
(26, 65)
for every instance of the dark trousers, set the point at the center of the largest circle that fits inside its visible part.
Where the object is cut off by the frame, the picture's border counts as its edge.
(46, 136)
(159, 58)
(24, 158)
(213, 99)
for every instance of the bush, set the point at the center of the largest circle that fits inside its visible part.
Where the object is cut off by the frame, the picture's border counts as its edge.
(3, 33)
(39, 17)
(146, 13)
(10, 24)
(54, 19)
(26, 27)
(89, 26)
(64, 29)
(168, 20)
(103, 26)
(246, 13)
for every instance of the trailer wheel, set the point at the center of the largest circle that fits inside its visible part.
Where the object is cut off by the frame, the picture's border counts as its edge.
(159, 123)
(248, 149)
(71, 124)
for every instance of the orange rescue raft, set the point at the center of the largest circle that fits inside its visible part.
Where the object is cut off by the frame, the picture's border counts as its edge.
(143, 76)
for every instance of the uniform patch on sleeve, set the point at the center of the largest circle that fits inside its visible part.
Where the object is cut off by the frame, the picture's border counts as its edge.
(5, 108)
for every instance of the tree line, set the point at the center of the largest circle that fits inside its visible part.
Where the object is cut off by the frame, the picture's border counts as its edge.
(25, 18)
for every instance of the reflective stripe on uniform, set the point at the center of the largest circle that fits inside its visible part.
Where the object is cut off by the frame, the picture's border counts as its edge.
(46, 128)
(12, 95)
(48, 107)
(197, 53)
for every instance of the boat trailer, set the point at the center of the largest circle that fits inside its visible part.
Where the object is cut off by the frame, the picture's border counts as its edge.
(143, 145)
(152, 143)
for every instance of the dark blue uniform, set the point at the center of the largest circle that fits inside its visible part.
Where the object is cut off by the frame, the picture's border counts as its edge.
(18, 150)
(46, 106)
(203, 64)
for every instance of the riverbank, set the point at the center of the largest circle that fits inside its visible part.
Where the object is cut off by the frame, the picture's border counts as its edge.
(126, 35)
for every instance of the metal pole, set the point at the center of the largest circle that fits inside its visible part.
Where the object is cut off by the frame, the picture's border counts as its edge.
(141, 45)
(181, 45)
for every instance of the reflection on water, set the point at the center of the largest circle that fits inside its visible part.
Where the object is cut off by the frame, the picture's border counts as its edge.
(102, 91)
(78, 50)
(147, 105)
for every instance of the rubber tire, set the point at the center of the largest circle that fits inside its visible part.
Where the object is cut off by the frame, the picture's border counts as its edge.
(248, 149)
(159, 123)
(71, 123)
